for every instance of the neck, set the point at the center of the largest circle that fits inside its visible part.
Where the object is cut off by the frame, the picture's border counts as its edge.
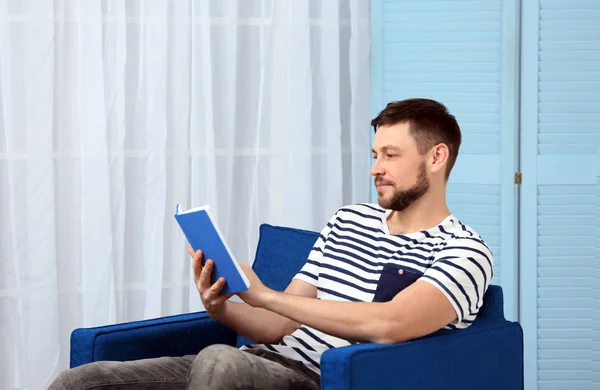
(425, 213)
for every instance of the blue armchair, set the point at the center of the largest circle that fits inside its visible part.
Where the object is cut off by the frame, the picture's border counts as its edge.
(488, 355)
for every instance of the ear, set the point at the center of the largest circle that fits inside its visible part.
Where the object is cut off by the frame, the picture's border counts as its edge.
(439, 158)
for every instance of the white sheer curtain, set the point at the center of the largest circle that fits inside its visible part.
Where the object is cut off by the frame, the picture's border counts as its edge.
(113, 111)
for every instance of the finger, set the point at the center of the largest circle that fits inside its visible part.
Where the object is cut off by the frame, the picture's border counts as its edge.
(197, 264)
(217, 286)
(205, 274)
(222, 298)
(196, 253)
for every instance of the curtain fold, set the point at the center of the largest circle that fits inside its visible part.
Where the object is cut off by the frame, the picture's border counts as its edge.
(112, 112)
(98, 283)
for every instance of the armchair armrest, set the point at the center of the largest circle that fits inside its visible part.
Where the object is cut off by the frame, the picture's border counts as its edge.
(168, 336)
(488, 355)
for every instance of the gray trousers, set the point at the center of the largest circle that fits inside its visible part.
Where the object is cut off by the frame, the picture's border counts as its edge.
(215, 367)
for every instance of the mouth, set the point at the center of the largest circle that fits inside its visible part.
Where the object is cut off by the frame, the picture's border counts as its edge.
(382, 185)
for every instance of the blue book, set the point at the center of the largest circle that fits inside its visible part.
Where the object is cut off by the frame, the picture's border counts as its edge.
(202, 233)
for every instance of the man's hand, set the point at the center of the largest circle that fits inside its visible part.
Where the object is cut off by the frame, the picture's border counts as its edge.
(258, 294)
(212, 301)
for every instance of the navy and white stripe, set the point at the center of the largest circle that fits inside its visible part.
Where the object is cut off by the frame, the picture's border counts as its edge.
(347, 260)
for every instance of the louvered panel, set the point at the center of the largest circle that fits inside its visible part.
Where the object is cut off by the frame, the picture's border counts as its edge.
(568, 139)
(559, 385)
(556, 384)
(567, 354)
(570, 364)
(566, 249)
(569, 76)
(556, 261)
(566, 293)
(546, 304)
(567, 199)
(568, 143)
(449, 51)
(461, 53)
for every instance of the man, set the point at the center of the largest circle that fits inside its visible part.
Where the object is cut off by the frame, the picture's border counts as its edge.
(382, 273)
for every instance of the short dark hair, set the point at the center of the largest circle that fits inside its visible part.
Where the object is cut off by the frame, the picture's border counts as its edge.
(430, 124)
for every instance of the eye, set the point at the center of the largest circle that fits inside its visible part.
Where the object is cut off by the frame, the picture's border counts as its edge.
(390, 155)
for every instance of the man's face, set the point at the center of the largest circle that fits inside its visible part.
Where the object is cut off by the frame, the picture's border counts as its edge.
(399, 171)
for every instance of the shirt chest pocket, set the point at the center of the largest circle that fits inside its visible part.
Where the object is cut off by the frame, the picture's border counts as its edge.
(393, 279)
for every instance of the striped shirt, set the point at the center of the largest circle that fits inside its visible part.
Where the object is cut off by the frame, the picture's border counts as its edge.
(356, 259)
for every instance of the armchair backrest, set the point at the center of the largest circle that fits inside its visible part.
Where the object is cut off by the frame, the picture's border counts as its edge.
(282, 251)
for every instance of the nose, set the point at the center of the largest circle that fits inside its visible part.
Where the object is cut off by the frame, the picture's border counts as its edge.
(376, 169)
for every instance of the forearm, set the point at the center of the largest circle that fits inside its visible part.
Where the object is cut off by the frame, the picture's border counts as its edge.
(359, 321)
(256, 324)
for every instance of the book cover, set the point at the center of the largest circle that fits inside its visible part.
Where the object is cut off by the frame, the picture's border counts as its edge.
(203, 233)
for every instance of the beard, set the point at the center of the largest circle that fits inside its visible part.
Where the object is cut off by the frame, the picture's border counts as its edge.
(402, 199)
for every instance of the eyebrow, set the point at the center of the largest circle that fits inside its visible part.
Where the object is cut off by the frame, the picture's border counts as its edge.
(388, 148)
